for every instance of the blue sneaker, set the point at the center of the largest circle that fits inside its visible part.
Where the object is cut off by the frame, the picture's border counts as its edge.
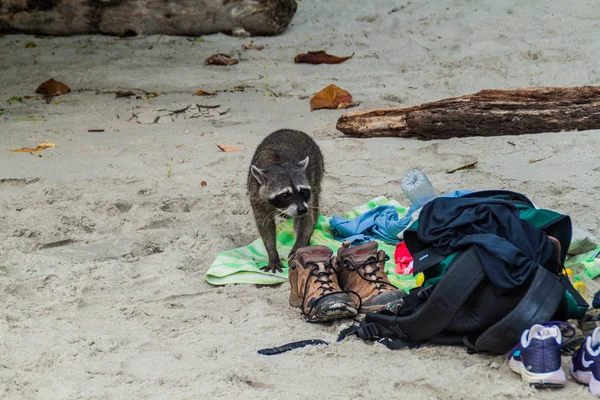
(585, 365)
(537, 357)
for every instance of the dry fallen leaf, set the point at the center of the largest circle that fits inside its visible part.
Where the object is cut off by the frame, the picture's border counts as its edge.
(470, 165)
(319, 57)
(220, 59)
(203, 183)
(52, 88)
(252, 46)
(29, 149)
(228, 149)
(201, 92)
(30, 45)
(331, 97)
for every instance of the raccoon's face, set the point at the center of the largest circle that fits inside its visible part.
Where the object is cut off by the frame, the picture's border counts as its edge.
(293, 200)
(285, 187)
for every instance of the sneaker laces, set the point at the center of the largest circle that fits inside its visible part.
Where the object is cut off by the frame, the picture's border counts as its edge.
(324, 279)
(370, 275)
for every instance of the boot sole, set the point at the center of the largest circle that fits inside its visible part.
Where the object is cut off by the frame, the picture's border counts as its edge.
(333, 311)
(392, 306)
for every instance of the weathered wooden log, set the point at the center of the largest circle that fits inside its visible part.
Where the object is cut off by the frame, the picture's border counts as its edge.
(145, 17)
(487, 113)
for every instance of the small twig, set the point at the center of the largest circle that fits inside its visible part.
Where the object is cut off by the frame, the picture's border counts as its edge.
(470, 165)
(534, 160)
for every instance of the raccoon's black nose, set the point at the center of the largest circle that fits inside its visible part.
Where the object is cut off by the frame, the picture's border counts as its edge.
(301, 210)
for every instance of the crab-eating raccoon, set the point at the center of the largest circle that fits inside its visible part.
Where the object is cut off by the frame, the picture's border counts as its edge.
(285, 180)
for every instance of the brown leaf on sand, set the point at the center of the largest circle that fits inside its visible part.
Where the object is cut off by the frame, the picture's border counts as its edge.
(470, 165)
(220, 59)
(52, 88)
(228, 149)
(203, 183)
(331, 97)
(319, 57)
(252, 46)
(201, 92)
(29, 149)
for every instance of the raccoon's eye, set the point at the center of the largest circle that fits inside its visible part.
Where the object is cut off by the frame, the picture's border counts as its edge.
(305, 194)
(281, 200)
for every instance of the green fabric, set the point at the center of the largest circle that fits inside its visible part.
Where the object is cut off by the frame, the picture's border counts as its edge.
(538, 217)
(243, 265)
(586, 263)
(573, 310)
(434, 274)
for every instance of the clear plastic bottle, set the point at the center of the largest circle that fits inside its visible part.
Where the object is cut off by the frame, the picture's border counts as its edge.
(417, 188)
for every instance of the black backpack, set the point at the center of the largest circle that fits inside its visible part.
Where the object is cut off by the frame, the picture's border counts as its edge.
(458, 304)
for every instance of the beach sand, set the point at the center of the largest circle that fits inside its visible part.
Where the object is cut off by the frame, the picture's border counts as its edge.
(102, 260)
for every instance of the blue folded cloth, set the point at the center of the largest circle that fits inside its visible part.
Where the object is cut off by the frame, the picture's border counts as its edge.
(381, 223)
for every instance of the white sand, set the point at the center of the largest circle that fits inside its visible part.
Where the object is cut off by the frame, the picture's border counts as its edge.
(124, 312)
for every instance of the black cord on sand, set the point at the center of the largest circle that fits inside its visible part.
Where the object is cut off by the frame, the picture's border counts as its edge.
(291, 346)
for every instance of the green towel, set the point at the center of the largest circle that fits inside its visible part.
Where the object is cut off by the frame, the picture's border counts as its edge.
(587, 264)
(243, 265)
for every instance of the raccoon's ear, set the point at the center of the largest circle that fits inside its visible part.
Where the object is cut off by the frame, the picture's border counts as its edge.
(304, 163)
(259, 174)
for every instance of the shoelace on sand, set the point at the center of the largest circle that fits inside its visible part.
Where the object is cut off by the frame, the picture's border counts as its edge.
(324, 278)
(369, 275)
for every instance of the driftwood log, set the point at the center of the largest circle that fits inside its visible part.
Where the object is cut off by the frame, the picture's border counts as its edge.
(146, 17)
(487, 113)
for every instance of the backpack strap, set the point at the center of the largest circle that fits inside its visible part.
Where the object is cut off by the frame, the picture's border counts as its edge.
(463, 276)
(538, 305)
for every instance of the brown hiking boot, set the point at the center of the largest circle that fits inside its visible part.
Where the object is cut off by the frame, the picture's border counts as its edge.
(361, 271)
(315, 288)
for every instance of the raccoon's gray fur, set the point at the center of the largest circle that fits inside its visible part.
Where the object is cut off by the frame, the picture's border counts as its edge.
(285, 180)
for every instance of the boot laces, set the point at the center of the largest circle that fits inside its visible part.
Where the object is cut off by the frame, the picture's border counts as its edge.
(368, 270)
(323, 274)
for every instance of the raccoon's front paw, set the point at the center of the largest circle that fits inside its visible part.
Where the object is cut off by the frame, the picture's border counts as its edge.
(274, 266)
